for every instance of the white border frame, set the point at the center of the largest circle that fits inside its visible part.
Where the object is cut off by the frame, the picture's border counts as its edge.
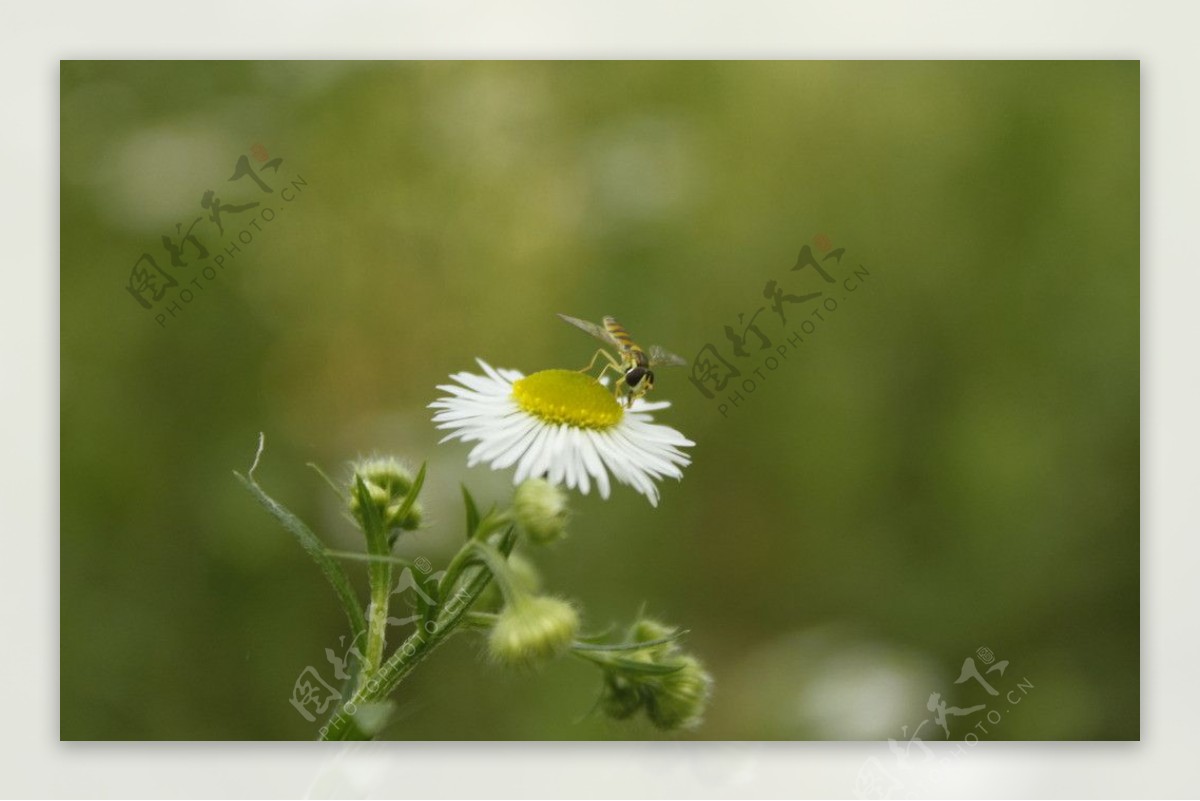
(1161, 34)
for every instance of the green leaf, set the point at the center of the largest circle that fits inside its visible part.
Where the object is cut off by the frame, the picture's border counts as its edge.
(583, 645)
(372, 521)
(649, 668)
(413, 492)
(508, 541)
(425, 587)
(332, 485)
(594, 639)
(472, 511)
(370, 557)
(620, 663)
(316, 550)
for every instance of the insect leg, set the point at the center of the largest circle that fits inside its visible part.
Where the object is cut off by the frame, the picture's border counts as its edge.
(612, 363)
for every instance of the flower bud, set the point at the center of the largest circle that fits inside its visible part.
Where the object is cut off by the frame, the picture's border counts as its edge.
(678, 699)
(388, 483)
(649, 630)
(541, 510)
(672, 700)
(532, 629)
(621, 698)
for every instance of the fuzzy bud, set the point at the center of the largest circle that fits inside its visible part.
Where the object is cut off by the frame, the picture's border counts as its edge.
(532, 629)
(649, 630)
(388, 483)
(672, 700)
(541, 510)
(621, 697)
(678, 699)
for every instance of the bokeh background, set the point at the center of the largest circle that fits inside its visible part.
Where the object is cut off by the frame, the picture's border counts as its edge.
(948, 462)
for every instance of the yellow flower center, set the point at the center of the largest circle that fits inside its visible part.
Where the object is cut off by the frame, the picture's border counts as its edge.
(566, 396)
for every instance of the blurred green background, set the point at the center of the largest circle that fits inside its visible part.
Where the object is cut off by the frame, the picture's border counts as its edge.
(948, 462)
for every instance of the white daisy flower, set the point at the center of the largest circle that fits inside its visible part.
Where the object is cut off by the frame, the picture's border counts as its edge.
(563, 425)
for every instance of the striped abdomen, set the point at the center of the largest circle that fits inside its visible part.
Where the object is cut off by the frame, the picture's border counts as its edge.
(626, 342)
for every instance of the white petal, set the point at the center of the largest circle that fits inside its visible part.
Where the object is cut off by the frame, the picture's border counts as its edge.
(638, 452)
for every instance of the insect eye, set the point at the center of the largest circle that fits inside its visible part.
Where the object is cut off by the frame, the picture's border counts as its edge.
(634, 376)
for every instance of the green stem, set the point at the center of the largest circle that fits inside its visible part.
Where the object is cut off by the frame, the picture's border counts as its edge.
(497, 563)
(377, 619)
(482, 530)
(379, 574)
(408, 655)
(480, 620)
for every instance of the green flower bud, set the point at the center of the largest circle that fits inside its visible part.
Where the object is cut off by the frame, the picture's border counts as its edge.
(388, 483)
(678, 699)
(672, 700)
(648, 630)
(541, 509)
(532, 629)
(621, 698)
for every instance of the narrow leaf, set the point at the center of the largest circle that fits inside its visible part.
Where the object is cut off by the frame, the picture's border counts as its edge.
(649, 668)
(583, 645)
(370, 557)
(411, 498)
(508, 541)
(332, 485)
(472, 511)
(372, 521)
(316, 550)
(596, 637)
(610, 661)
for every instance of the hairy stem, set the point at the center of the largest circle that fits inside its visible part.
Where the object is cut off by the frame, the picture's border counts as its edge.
(408, 655)
(379, 573)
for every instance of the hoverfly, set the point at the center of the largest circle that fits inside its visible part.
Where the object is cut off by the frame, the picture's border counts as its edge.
(634, 363)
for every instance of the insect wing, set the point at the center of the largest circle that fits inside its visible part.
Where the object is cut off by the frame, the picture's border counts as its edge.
(660, 357)
(599, 332)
